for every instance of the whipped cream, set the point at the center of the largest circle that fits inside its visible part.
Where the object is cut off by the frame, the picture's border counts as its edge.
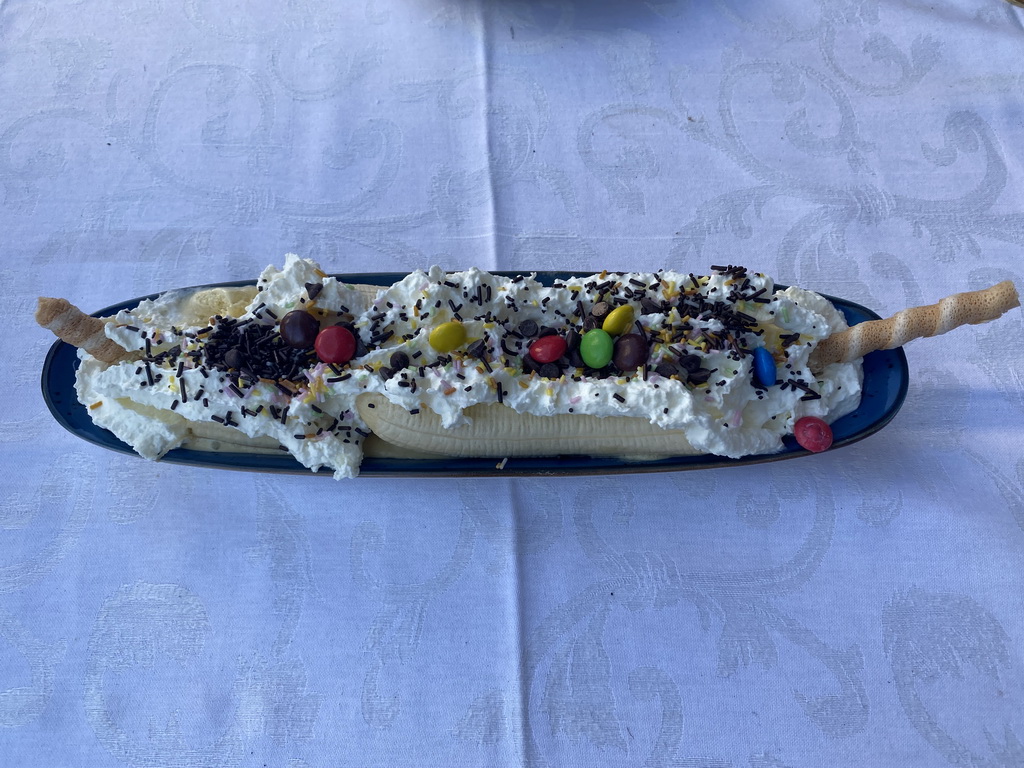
(707, 324)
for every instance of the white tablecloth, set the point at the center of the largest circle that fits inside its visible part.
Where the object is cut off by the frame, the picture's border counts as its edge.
(859, 607)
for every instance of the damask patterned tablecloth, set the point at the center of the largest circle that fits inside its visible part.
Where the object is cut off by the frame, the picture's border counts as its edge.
(864, 606)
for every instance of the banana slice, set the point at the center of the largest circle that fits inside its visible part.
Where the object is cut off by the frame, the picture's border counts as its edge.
(499, 431)
(226, 302)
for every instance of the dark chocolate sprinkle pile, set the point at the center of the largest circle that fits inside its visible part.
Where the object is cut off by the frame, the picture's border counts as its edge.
(255, 350)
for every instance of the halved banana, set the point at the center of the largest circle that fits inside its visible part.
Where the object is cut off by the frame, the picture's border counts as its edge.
(216, 438)
(499, 431)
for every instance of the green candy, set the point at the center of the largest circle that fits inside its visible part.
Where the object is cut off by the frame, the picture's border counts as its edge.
(596, 348)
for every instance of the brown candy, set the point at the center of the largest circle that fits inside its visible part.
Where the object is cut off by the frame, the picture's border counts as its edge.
(299, 329)
(630, 352)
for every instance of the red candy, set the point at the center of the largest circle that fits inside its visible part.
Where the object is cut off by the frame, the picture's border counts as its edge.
(547, 349)
(813, 434)
(335, 345)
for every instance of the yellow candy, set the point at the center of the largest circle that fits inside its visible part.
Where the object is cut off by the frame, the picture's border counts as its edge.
(448, 336)
(618, 320)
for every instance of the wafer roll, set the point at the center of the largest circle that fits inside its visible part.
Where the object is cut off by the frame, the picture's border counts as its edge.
(915, 323)
(72, 325)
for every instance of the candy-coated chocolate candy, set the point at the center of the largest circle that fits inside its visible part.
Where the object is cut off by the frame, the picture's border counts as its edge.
(547, 349)
(813, 434)
(630, 352)
(765, 374)
(299, 329)
(619, 320)
(335, 345)
(596, 348)
(448, 336)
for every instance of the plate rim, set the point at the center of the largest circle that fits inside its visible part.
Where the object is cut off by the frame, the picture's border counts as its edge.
(470, 468)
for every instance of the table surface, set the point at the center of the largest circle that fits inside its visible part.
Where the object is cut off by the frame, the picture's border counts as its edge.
(860, 607)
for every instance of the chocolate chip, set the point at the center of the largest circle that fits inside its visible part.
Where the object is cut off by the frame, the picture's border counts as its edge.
(477, 349)
(385, 372)
(550, 371)
(313, 290)
(527, 329)
(575, 359)
(690, 363)
(700, 376)
(668, 369)
(600, 309)
(650, 306)
(361, 348)
(572, 340)
(399, 361)
(591, 323)
(530, 365)
(234, 358)
(546, 331)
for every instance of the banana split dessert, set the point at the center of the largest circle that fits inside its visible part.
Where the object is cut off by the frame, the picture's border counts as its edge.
(633, 365)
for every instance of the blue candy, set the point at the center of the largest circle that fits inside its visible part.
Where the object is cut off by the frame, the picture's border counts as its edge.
(764, 368)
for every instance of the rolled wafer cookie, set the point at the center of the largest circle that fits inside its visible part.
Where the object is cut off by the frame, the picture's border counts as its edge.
(73, 326)
(916, 322)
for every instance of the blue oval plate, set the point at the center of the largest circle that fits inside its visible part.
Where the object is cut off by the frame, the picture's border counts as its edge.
(885, 386)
